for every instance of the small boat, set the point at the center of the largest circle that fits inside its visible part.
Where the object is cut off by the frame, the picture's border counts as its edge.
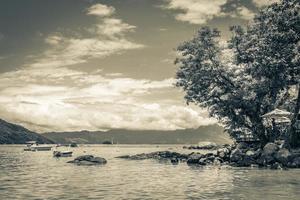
(62, 153)
(29, 144)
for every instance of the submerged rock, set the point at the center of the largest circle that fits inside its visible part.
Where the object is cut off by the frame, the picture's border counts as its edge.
(88, 160)
(159, 155)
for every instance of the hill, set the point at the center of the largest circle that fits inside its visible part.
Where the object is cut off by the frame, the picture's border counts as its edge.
(213, 133)
(15, 134)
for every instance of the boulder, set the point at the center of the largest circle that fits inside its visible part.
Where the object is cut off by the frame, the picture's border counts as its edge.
(223, 153)
(295, 163)
(265, 160)
(283, 156)
(88, 160)
(245, 161)
(236, 155)
(242, 145)
(174, 161)
(276, 165)
(194, 158)
(250, 153)
(270, 149)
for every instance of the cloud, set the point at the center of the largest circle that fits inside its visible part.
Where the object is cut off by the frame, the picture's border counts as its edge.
(106, 37)
(101, 10)
(201, 11)
(113, 27)
(261, 3)
(243, 13)
(48, 95)
(71, 100)
(195, 11)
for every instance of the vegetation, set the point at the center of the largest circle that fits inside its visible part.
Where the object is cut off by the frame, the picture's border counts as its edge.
(254, 72)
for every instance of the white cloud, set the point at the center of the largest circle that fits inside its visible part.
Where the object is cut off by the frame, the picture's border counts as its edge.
(261, 3)
(71, 100)
(101, 10)
(78, 50)
(195, 11)
(112, 27)
(107, 37)
(243, 13)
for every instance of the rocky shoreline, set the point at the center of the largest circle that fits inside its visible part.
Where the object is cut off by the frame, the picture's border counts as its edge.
(272, 155)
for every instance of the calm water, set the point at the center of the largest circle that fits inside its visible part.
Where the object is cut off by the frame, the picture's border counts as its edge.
(37, 175)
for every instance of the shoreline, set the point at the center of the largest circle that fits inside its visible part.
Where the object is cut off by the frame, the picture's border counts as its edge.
(272, 156)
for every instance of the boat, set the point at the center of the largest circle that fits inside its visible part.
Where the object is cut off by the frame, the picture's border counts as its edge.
(38, 147)
(62, 153)
(34, 146)
(29, 144)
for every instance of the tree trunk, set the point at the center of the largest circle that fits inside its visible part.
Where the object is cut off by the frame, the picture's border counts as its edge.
(294, 136)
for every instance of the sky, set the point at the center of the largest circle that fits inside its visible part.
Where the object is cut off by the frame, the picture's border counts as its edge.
(69, 65)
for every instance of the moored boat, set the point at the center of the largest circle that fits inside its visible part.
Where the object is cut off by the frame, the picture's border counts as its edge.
(40, 147)
(29, 144)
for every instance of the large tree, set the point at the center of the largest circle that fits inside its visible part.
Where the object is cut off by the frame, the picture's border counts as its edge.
(256, 78)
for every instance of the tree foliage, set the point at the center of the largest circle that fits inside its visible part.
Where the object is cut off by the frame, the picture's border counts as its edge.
(251, 75)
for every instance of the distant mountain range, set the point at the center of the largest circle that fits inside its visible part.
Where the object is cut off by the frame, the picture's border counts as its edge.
(15, 134)
(212, 133)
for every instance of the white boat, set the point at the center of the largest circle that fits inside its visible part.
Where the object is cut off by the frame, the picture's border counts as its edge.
(62, 153)
(29, 144)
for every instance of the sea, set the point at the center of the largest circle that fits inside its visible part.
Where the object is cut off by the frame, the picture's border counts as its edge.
(38, 175)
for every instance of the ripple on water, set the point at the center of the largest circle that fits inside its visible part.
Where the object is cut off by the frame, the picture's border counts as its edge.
(37, 175)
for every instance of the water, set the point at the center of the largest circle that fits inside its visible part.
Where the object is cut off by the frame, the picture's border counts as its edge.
(37, 175)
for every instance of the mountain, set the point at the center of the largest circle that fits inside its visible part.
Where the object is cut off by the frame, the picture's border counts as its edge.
(15, 134)
(213, 133)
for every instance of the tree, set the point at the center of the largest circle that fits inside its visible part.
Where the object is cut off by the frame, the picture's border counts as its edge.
(269, 51)
(256, 78)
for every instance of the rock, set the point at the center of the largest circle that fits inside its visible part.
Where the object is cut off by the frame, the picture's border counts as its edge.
(211, 158)
(159, 155)
(242, 145)
(217, 161)
(88, 160)
(257, 153)
(202, 161)
(250, 153)
(283, 156)
(276, 165)
(98, 160)
(265, 160)
(84, 157)
(270, 149)
(223, 153)
(194, 158)
(246, 161)
(174, 160)
(295, 163)
(236, 155)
